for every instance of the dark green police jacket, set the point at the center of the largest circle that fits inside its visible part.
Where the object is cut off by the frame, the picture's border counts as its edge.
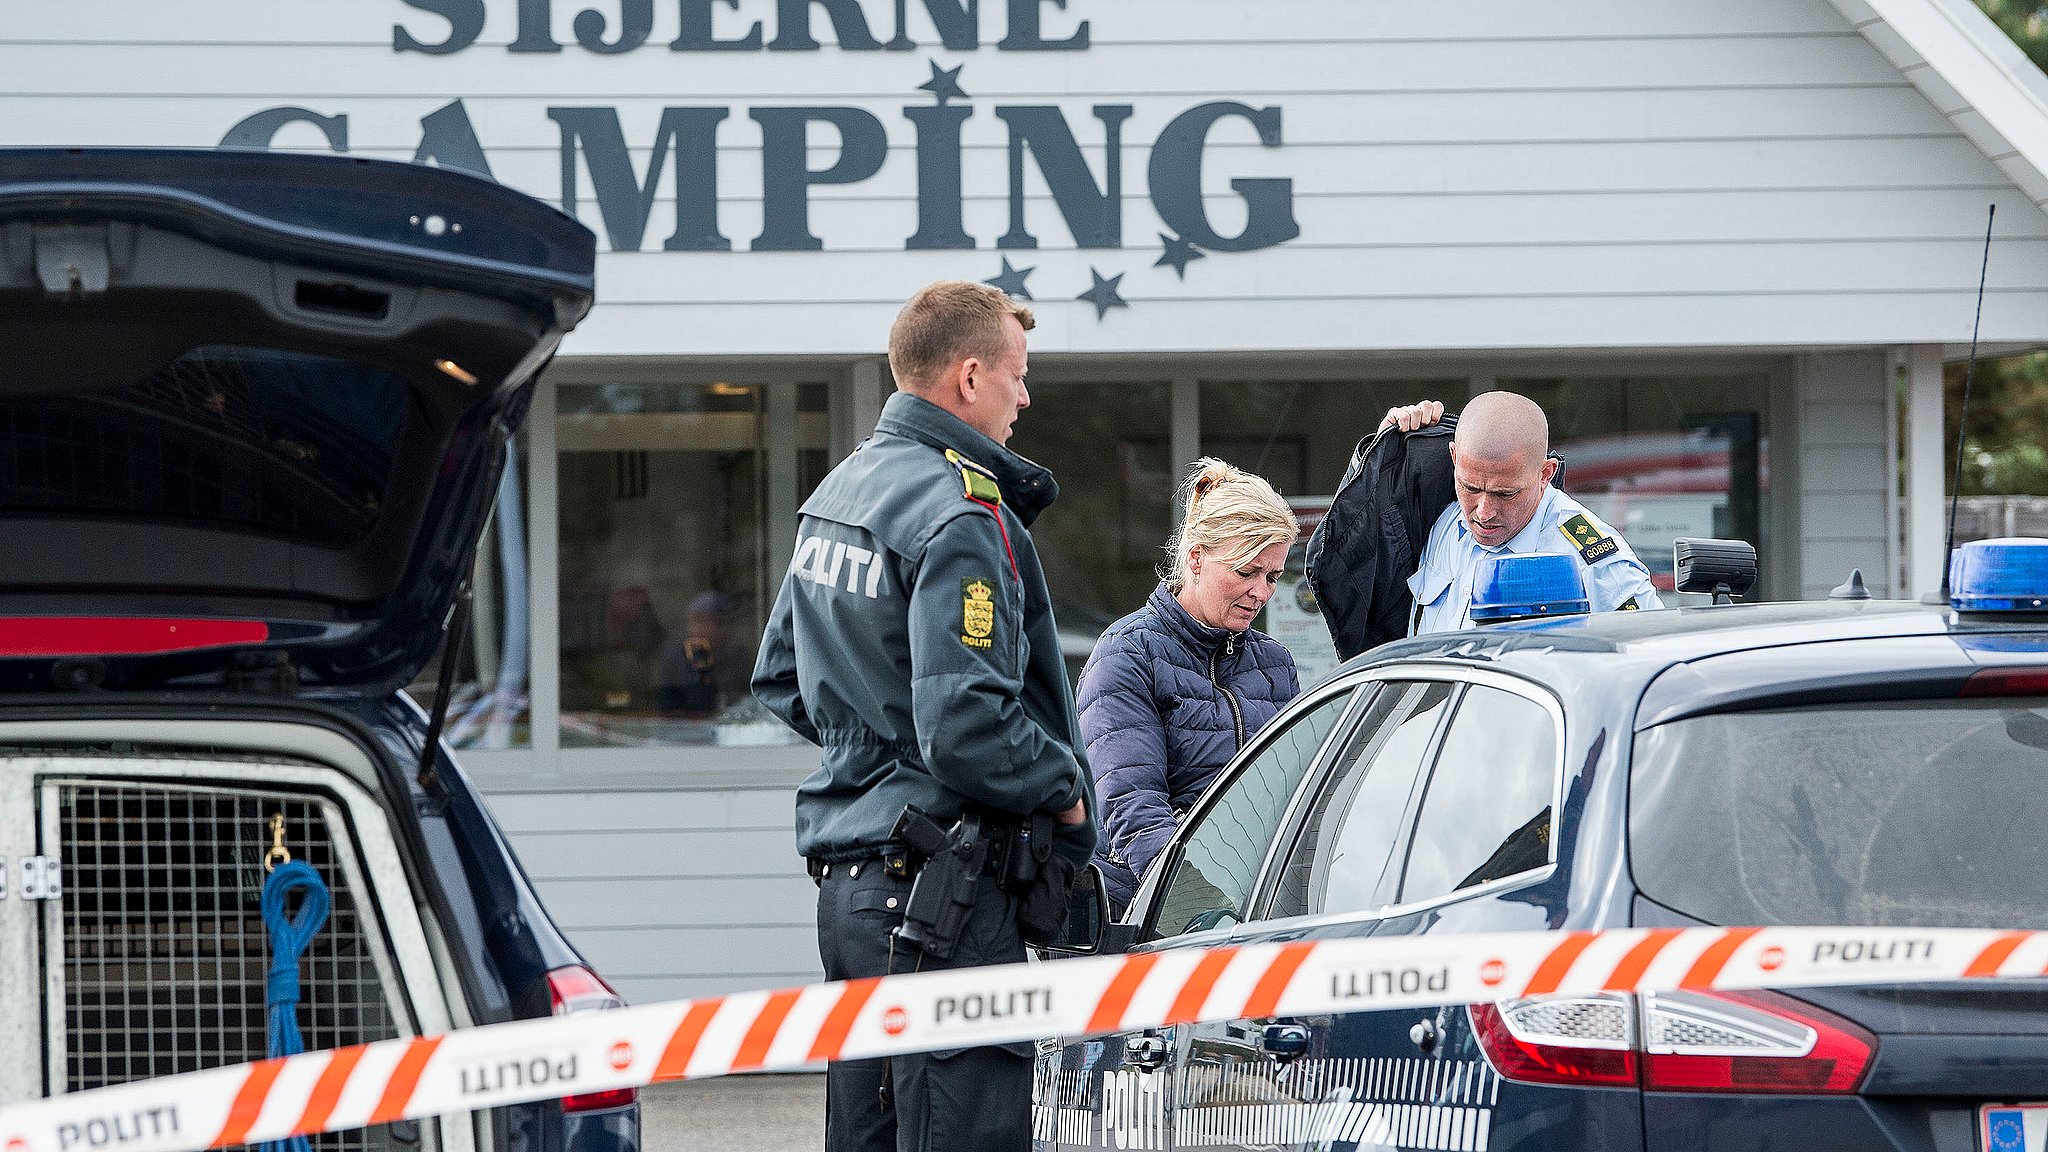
(913, 641)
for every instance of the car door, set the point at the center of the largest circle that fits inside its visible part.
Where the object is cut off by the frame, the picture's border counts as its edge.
(1480, 856)
(1120, 1090)
(1253, 1083)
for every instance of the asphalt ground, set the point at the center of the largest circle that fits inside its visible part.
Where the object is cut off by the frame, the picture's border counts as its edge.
(756, 1113)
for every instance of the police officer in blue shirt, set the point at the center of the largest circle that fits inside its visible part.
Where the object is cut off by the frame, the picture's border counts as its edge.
(1502, 472)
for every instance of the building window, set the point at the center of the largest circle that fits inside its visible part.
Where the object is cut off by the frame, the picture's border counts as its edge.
(1102, 541)
(1660, 457)
(1299, 435)
(488, 704)
(668, 553)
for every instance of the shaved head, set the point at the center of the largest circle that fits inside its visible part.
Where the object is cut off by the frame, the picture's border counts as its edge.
(1501, 427)
(1498, 465)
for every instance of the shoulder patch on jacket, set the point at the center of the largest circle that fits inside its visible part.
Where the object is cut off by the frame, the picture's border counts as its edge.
(1628, 605)
(1587, 539)
(977, 611)
(976, 482)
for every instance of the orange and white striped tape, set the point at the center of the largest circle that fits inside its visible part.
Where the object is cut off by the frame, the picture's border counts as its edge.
(542, 1059)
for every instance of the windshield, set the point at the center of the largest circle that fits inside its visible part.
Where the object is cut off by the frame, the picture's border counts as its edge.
(230, 437)
(1905, 813)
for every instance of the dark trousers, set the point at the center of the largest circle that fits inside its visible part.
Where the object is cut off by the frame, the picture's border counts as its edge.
(965, 1098)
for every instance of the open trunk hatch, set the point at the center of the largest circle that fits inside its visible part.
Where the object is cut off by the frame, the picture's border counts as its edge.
(263, 391)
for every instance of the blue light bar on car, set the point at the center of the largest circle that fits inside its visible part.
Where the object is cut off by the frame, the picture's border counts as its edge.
(2005, 575)
(1508, 587)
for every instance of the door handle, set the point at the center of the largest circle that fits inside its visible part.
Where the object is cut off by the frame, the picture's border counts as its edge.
(1145, 1052)
(1284, 1042)
(1424, 1034)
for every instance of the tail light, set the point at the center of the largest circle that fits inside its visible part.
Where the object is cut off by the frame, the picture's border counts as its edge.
(573, 991)
(2007, 682)
(1750, 1042)
(1584, 1040)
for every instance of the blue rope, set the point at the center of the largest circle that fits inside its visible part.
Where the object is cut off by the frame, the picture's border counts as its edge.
(289, 936)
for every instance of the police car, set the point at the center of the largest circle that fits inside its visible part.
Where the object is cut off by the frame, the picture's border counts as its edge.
(253, 413)
(1857, 762)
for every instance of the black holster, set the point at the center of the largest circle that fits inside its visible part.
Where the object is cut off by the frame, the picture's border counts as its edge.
(942, 896)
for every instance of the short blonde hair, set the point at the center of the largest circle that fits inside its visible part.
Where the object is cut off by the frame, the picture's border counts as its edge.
(1230, 512)
(946, 323)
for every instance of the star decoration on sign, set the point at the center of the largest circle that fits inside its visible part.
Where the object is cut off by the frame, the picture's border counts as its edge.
(944, 84)
(1179, 254)
(1011, 280)
(1103, 293)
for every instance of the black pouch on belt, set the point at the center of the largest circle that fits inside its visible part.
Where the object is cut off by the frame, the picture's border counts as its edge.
(1025, 850)
(1038, 879)
(1042, 908)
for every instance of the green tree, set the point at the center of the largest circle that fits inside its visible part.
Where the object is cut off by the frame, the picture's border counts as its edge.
(2026, 21)
(2005, 452)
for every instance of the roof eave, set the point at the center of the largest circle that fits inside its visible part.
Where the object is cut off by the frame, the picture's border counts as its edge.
(1972, 72)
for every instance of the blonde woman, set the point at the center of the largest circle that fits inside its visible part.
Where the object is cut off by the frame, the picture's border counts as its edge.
(1173, 690)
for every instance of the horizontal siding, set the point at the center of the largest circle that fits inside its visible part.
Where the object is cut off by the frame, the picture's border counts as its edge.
(1844, 471)
(385, 121)
(1480, 176)
(1301, 272)
(1835, 423)
(654, 989)
(1213, 325)
(673, 893)
(710, 950)
(674, 855)
(1827, 563)
(1110, 21)
(1108, 71)
(659, 904)
(557, 813)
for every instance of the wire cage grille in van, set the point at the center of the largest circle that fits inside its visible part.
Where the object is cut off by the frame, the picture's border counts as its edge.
(165, 955)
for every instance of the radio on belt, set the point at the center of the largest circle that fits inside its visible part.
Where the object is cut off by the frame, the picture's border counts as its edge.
(2009, 574)
(1509, 587)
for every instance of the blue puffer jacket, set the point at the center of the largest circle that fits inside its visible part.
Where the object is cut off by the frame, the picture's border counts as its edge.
(1165, 702)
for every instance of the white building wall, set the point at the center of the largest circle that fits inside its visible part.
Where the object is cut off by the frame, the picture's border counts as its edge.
(1494, 175)
(1509, 174)
(671, 892)
(1844, 467)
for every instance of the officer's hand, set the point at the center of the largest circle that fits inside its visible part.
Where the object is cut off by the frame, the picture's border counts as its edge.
(1078, 814)
(1414, 416)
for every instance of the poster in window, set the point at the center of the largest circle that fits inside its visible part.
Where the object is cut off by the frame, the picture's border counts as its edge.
(1292, 616)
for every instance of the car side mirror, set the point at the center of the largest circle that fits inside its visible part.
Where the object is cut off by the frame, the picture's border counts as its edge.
(1088, 930)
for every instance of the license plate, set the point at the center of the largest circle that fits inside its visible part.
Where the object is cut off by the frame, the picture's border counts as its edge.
(2013, 1128)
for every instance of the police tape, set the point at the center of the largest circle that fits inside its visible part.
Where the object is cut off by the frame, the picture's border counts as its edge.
(529, 1060)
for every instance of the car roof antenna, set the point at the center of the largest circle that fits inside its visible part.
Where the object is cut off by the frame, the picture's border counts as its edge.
(1955, 493)
(1851, 589)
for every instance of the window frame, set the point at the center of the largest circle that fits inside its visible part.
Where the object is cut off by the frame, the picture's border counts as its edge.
(1462, 677)
(1273, 871)
(1412, 818)
(1150, 894)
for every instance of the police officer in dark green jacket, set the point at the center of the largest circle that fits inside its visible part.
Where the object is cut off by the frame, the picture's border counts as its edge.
(913, 641)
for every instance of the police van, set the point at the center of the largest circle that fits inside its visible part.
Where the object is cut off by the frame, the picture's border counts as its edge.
(253, 412)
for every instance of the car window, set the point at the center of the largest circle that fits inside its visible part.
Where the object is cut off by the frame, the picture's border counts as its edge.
(1212, 877)
(243, 438)
(1487, 811)
(1340, 860)
(1900, 813)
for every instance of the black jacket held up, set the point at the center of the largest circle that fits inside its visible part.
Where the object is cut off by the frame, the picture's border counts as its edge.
(1361, 555)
